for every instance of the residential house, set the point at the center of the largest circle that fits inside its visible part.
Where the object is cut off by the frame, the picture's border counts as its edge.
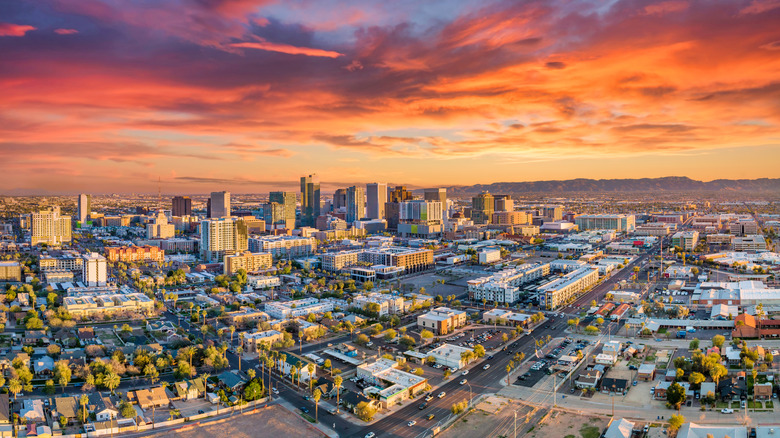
(66, 407)
(233, 379)
(708, 387)
(152, 397)
(32, 411)
(646, 372)
(6, 430)
(659, 391)
(190, 389)
(732, 389)
(588, 379)
(693, 430)
(351, 399)
(614, 386)
(102, 407)
(86, 334)
(43, 366)
(621, 428)
(762, 391)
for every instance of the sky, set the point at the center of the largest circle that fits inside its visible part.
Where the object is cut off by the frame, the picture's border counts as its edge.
(248, 95)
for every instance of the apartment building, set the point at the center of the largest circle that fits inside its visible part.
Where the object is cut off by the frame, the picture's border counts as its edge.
(388, 304)
(283, 246)
(409, 259)
(221, 236)
(420, 218)
(49, 227)
(95, 270)
(248, 261)
(743, 228)
(618, 222)
(10, 271)
(755, 242)
(106, 304)
(654, 229)
(442, 320)
(687, 240)
(504, 286)
(255, 341)
(294, 309)
(69, 261)
(719, 239)
(135, 254)
(335, 261)
(511, 218)
(263, 282)
(559, 291)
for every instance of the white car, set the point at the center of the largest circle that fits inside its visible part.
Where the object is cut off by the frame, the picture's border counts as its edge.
(463, 382)
(370, 435)
(275, 391)
(441, 394)
(486, 366)
(727, 411)
(411, 423)
(465, 373)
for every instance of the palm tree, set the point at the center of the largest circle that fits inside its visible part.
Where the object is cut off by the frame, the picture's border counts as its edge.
(269, 363)
(337, 384)
(84, 400)
(282, 360)
(251, 373)
(111, 380)
(232, 330)
(310, 369)
(316, 396)
(239, 350)
(15, 386)
(300, 341)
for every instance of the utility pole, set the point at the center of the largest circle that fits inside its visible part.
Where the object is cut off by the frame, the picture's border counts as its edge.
(515, 424)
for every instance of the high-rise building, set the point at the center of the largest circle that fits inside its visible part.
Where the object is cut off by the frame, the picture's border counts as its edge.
(503, 203)
(181, 206)
(356, 204)
(399, 194)
(310, 200)
(376, 197)
(220, 205)
(287, 200)
(94, 272)
(339, 199)
(482, 208)
(160, 229)
(420, 218)
(84, 207)
(50, 228)
(220, 236)
(554, 212)
(274, 215)
(436, 195)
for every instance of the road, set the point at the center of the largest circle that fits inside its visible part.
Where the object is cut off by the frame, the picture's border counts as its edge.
(481, 381)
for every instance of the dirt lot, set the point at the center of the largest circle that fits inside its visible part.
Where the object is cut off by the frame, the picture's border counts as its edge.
(275, 420)
(565, 425)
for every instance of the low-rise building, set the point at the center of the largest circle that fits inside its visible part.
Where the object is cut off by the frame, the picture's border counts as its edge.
(503, 286)
(449, 355)
(754, 242)
(687, 240)
(398, 385)
(248, 261)
(388, 304)
(442, 320)
(10, 270)
(294, 309)
(564, 289)
(135, 254)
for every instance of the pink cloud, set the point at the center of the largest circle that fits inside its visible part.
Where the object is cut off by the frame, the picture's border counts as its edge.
(15, 30)
(287, 48)
(666, 7)
(65, 31)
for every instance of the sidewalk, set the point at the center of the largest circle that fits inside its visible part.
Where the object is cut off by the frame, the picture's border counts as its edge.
(321, 426)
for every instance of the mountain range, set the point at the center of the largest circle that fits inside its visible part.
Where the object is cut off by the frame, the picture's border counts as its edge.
(665, 184)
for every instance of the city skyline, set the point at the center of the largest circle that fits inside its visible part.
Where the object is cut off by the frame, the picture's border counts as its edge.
(237, 95)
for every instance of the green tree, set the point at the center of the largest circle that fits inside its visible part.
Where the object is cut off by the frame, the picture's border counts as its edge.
(390, 334)
(362, 339)
(62, 373)
(479, 350)
(111, 380)
(675, 395)
(253, 391)
(718, 340)
(696, 378)
(126, 409)
(337, 381)
(84, 401)
(591, 330)
(15, 387)
(365, 411)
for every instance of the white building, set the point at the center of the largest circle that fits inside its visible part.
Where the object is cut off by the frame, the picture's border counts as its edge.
(263, 282)
(504, 286)
(294, 309)
(754, 242)
(561, 290)
(284, 246)
(50, 228)
(489, 255)
(449, 355)
(94, 272)
(221, 236)
(617, 222)
(388, 304)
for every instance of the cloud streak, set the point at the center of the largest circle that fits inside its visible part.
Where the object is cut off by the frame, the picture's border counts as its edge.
(15, 30)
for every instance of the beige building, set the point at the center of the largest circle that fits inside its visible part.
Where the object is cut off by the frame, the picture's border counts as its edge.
(10, 271)
(561, 290)
(388, 304)
(248, 261)
(511, 218)
(69, 261)
(160, 229)
(334, 261)
(50, 228)
(755, 242)
(222, 236)
(442, 320)
(268, 337)
(144, 253)
(101, 304)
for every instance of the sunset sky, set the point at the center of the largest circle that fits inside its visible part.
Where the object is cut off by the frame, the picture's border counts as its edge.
(243, 95)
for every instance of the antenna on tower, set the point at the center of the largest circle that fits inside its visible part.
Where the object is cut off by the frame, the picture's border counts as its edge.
(159, 195)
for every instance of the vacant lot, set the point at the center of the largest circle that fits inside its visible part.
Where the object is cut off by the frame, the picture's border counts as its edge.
(275, 421)
(565, 425)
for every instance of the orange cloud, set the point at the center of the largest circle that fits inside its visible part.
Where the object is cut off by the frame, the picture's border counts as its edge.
(65, 31)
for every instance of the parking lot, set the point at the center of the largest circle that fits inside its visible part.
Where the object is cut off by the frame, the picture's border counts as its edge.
(542, 368)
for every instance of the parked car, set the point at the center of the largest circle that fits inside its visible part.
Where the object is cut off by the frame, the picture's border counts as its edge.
(304, 409)
(727, 411)
(465, 373)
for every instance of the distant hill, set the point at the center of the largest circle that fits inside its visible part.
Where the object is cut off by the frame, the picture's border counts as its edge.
(666, 184)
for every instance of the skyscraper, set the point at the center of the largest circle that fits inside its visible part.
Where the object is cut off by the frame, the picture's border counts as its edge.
(50, 228)
(399, 194)
(94, 272)
(339, 199)
(376, 197)
(310, 200)
(287, 200)
(482, 207)
(84, 207)
(181, 206)
(220, 204)
(503, 203)
(220, 236)
(420, 218)
(356, 204)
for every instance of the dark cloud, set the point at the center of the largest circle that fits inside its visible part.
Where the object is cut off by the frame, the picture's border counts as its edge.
(556, 65)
